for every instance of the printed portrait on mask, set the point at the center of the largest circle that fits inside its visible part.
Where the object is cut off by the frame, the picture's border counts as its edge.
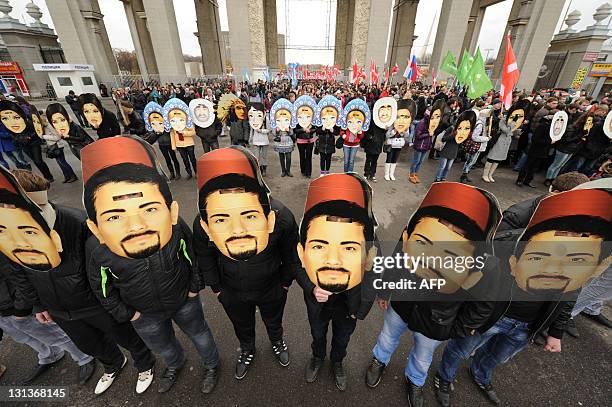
(337, 232)
(329, 113)
(176, 115)
(59, 119)
(406, 110)
(256, 112)
(384, 112)
(566, 243)
(281, 114)
(558, 125)
(14, 118)
(454, 222)
(202, 112)
(517, 113)
(234, 202)
(435, 116)
(464, 126)
(607, 127)
(37, 122)
(126, 196)
(304, 108)
(26, 239)
(92, 109)
(153, 117)
(356, 116)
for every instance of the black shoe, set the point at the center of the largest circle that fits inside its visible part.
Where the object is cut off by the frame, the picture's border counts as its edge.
(548, 182)
(530, 185)
(86, 371)
(167, 380)
(245, 359)
(518, 183)
(280, 351)
(599, 318)
(51, 179)
(40, 369)
(284, 174)
(312, 369)
(486, 389)
(442, 388)
(210, 380)
(339, 375)
(414, 394)
(172, 176)
(189, 176)
(464, 179)
(571, 329)
(263, 170)
(178, 176)
(289, 174)
(374, 372)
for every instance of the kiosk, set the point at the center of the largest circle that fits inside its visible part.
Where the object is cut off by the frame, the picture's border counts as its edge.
(67, 77)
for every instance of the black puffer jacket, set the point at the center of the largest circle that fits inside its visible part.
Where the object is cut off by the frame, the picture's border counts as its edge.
(159, 283)
(517, 216)
(8, 290)
(326, 140)
(373, 140)
(136, 126)
(570, 142)
(109, 126)
(77, 137)
(63, 291)
(210, 133)
(261, 277)
(596, 143)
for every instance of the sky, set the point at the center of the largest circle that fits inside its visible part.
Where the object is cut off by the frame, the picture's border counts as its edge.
(305, 27)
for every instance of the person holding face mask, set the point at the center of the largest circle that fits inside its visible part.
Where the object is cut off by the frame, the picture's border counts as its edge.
(304, 108)
(154, 123)
(284, 137)
(207, 125)
(452, 139)
(134, 124)
(384, 115)
(398, 135)
(259, 134)
(177, 121)
(356, 117)
(328, 120)
(102, 120)
(424, 135)
(75, 136)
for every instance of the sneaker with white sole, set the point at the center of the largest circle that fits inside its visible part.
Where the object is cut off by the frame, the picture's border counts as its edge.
(108, 378)
(144, 381)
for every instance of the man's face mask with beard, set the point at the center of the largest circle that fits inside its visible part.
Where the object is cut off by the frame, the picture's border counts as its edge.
(133, 220)
(237, 223)
(25, 242)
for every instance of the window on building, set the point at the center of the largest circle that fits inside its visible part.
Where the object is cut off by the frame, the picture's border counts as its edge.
(87, 80)
(52, 55)
(64, 81)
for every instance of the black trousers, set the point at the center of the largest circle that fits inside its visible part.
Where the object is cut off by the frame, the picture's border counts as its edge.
(209, 145)
(80, 117)
(35, 153)
(99, 335)
(393, 155)
(306, 158)
(285, 162)
(170, 157)
(188, 155)
(370, 165)
(530, 167)
(325, 161)
(242, 315)
(343, 326)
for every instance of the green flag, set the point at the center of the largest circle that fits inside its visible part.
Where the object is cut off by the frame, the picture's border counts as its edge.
(449, 65)
(477, 79)
(464, 67)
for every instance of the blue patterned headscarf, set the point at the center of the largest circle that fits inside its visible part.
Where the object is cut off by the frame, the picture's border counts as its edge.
(152, 107)
(280, 104)
(303, 100)
(172, 104)
(332, 101)
(362, 106)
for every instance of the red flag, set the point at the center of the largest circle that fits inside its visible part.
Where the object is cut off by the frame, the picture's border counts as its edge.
(373, 73)
(358, 73)
(395, 69)
(355, 77)
(386, 76)
(510, 74)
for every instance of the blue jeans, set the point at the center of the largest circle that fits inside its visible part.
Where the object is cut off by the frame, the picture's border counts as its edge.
(591, 297)
(349, 157)
(48, 340)
(560, 160)
(64, 166)
(417, 160)
(444, 168)
(500, 343)
(158, 334)
(521, 162)
(420, 355)
(470, 161)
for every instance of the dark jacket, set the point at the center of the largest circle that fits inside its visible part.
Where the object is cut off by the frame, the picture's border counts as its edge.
(570, 142)
(77, 137)
(158, 283)
(239, 131)
(210, 133)
(8, 288)
(136, 126)
(596, 143)
(373, 140)
(326, 140)
(139, 100)
(163, 139)
(63, 291)
(422, 139)
(540, 141)
(73, 102)
(262, 277)
(518, 215)
(450, 149)
(109, 126)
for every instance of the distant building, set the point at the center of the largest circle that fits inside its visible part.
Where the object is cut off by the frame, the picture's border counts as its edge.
(226, 49)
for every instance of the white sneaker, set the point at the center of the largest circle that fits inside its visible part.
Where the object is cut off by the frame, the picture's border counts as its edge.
(107, 379)
(144, 381)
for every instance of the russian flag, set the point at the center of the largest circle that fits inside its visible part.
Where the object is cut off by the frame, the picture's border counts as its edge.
(411, 71)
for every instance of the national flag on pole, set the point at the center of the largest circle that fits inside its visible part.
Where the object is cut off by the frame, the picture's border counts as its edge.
(510, 74)
(266, 73)
(449, 65)
(373, 73)
(411, 71)
(358, 73)
(394, 70)
(386, 75)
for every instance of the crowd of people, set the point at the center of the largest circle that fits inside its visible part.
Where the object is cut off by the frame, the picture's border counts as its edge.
(124, 269)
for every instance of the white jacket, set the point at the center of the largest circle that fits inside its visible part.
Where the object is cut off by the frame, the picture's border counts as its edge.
(480, 134)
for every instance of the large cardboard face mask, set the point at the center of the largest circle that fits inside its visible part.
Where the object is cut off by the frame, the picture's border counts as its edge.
(607, 127)
(13, 121)
(177, 119)
(237, 224)
(384, 112)
(157, 122)
(60, 124)
(283, 119)
(354, 121)
(256, 118)
(516, 120)
(92, 115)
(588, 124)
(132, 219)
(558, 126)
(463, 131)
(403, 121)
(202, 112)
(329, 117)
(240, 109)
(434, 121)
(304, 116)
(38, 127)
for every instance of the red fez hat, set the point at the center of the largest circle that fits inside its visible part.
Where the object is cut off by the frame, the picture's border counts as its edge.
(6, 184)
(112, 151)
(581, 202)
(462, 198)
(336, 187)
(223, 161)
